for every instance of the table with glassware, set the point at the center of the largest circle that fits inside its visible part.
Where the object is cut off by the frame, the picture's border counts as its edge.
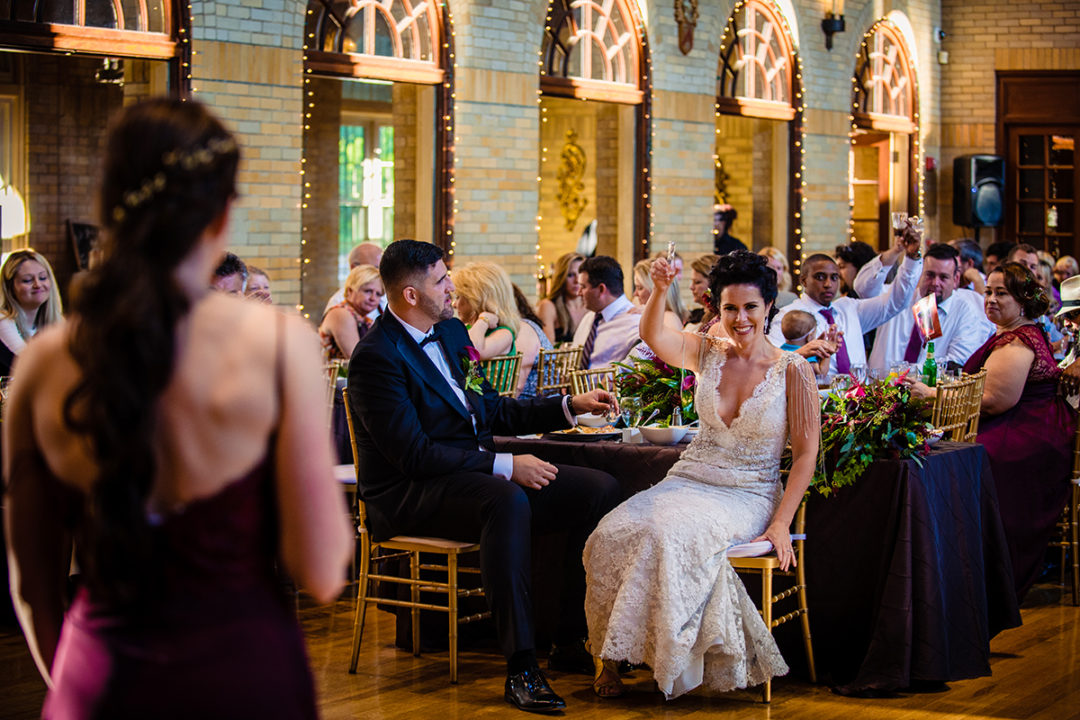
(908, 571)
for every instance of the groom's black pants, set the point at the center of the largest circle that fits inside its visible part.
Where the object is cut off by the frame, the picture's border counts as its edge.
(503, 517)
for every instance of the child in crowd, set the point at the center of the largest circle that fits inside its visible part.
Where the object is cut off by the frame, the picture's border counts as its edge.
(798, 327)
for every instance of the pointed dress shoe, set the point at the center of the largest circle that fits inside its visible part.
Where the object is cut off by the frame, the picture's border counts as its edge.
(529, 690)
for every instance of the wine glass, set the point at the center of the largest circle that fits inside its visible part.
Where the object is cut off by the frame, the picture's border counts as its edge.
(898, 220)
(631, 411)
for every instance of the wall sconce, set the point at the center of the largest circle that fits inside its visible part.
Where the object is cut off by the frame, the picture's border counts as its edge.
(833, 22)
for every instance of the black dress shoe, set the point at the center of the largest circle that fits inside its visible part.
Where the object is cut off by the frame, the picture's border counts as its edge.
(529, 690)
(571, 658)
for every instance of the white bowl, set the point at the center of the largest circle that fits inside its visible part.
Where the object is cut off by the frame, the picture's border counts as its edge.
(593, 421)
(663, 435)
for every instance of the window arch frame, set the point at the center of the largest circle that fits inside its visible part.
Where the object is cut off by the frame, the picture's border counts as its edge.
(727, 76)
(559, 82)
(867, 119)
(340, 63)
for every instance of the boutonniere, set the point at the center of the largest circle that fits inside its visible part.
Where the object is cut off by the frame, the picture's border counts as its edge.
(470, 365)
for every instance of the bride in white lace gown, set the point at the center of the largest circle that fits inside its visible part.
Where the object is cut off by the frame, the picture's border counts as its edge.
(660, 588)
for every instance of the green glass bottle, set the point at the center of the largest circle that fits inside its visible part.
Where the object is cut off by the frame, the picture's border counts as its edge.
(929, 368)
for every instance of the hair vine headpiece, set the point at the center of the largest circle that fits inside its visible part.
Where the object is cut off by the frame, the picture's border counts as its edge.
(191, 160)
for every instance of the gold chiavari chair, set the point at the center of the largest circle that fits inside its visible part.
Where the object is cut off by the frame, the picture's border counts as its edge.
(956, 408)
(502, 372)
(582, 381)
(401, 546)
(332, 370)
(768, 566)
(554, 367)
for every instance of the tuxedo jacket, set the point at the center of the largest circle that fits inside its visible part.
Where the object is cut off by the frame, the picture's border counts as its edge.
(411, 429)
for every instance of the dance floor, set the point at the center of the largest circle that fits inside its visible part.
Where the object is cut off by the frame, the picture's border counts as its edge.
(1036, 674)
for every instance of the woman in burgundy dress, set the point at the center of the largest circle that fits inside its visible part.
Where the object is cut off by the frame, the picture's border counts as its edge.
(177, 435)
(1026, 426)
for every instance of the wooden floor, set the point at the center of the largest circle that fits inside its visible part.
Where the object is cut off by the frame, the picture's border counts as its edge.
(1036, 674)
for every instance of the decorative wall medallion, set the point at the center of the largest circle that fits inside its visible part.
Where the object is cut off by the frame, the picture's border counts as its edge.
(571, 187)
(686, 15)
(720, 178)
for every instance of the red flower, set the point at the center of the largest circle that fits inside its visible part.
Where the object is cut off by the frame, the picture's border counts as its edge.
(473, 353)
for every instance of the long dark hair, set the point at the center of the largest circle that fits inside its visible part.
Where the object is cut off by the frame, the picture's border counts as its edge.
(169, 172)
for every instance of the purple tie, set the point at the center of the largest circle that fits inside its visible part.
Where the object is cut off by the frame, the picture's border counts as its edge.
(586, 352)
(914, 346)
(843, 362)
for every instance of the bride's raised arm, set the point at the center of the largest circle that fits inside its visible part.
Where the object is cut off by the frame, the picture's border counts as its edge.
(674, 347)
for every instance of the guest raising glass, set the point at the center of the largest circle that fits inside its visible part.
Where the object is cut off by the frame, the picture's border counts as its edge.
(179, 435)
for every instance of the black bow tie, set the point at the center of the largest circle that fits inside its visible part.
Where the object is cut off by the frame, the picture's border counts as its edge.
(434, 335)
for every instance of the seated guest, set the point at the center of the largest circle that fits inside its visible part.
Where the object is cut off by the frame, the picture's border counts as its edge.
(701, 318)
(848, 318)
(799, 328)
(675, 312)
(996, 254)
(424, 438)
(30, 302)
(1065, 268)
(258, 285)
(779, 264)
(850, 258)
(366, 253)
(530, 321)
(1026, 427)
(964, 326)
(344, 325)
(723, 241)
(230, 276)
(609, 331)
(971, 260)
(562, 308)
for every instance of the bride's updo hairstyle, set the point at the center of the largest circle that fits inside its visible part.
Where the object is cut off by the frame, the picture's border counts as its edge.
(743, 267)
(169, 172)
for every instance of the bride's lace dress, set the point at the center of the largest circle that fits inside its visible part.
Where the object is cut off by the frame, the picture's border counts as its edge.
(660, 588)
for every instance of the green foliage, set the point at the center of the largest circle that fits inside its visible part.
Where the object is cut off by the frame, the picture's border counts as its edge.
(660, 387)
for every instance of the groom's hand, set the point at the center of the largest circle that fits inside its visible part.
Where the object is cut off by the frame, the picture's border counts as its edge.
(596, 401)
(532, 472)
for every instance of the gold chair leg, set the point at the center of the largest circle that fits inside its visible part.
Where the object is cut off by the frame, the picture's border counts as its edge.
(766, 614)
(800, 577)
(1074, 521)
(452, 602)
(361, 601)
(414, 593)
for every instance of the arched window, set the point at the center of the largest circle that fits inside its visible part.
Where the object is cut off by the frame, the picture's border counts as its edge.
(381, 39)
(884, 82)
(122, 28)
(592, 49)
(755, 73)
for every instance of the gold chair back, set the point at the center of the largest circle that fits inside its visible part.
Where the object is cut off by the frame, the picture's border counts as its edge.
(331, 371)
(582, 381)
(502, 372)
(554, 367)
(956, 409)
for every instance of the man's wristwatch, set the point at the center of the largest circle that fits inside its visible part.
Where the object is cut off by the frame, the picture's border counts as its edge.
(570, 405)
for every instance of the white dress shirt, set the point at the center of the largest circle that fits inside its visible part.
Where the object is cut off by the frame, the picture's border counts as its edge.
(964, 328)
(616, 335)
(854, 317)
(503, 465)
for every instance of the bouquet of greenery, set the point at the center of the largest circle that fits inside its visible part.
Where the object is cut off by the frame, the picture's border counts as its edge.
(867, 421)
(661, 387)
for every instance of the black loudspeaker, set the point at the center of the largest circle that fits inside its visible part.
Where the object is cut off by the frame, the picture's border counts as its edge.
(978, 190)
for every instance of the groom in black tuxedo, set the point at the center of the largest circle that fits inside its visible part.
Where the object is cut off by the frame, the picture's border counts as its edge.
(428, 466)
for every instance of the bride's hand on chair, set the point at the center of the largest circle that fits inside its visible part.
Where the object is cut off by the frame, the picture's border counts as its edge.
(779, 535)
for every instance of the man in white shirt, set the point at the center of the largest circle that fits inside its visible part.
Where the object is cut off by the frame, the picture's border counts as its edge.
(964, 326)
(366, 253)
(609, 331)
(852, 317)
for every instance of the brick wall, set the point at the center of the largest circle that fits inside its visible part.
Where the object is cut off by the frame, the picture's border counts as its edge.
(405, 160)
(1022, 36)
(67, 112)
(320, 213)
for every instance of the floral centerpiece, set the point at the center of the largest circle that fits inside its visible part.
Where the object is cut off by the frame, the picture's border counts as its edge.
(660, 387)
(870, 420)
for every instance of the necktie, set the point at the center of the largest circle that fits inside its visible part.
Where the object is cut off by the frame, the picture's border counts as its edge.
(914, 346)
(586, 352)
(843, 362)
